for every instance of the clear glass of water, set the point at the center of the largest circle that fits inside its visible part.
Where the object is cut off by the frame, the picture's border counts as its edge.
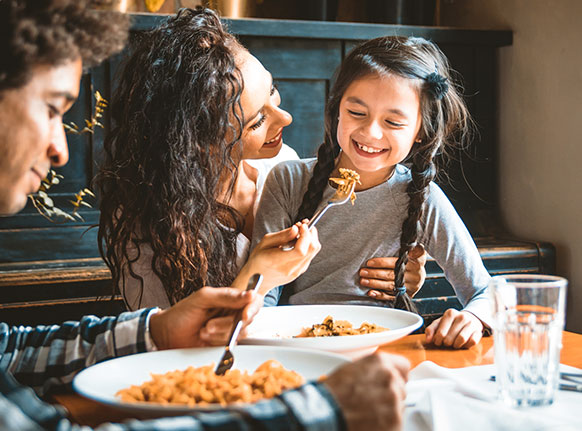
(528, 320)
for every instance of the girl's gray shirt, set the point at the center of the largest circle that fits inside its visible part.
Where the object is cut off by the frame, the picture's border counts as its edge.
(350, 235)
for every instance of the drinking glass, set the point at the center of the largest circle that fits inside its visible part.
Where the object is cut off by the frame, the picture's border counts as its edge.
(528, 320)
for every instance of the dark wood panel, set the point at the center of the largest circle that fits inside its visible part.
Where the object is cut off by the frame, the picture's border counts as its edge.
(344, 30)
(300, 59)
(28, 245)
(56, 313)
(305, 101)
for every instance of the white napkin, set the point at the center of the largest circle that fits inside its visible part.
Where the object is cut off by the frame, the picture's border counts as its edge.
(444, 399)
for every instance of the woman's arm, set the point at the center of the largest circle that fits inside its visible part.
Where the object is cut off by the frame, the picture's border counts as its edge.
(378, 274)
(277, 266)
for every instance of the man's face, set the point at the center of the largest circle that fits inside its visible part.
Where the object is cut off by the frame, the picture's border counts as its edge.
(32, 138)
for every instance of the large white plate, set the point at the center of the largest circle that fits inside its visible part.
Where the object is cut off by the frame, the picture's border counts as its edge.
(100, 382)
(276, 326)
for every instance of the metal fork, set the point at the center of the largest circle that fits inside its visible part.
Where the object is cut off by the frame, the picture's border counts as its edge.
(339, 197)
(227, 359)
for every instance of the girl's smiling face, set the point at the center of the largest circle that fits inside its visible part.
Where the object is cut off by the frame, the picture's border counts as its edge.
(260, 100)
(379, 120)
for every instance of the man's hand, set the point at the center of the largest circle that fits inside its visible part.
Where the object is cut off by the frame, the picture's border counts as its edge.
(188, 323)
(371, 392)
(457, 329)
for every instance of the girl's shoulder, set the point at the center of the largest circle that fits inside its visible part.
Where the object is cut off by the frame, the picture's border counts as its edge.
(294, 169)
(402, 176)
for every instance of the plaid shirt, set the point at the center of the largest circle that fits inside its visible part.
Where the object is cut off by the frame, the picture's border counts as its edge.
(51, 355)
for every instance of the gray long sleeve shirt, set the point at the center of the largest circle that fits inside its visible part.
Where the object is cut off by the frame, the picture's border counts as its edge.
(350, 235)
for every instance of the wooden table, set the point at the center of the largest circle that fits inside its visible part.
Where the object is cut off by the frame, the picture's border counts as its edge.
(87, 412)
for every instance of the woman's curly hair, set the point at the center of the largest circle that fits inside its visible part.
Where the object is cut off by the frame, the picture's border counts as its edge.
(50, 32)
(176, 119)
(445, 122)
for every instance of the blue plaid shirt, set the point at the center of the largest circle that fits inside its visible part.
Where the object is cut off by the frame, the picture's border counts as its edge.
(34, 359)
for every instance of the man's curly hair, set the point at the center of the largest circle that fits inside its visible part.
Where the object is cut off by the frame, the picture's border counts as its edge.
(50, 32)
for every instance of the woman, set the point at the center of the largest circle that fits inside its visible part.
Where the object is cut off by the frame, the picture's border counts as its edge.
(178, 200)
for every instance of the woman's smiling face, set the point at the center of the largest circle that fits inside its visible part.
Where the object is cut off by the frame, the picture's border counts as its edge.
(379, 120)
(264, 120)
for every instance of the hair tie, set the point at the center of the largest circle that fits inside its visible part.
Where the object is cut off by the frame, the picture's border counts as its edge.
(400, 291)
(437, 85)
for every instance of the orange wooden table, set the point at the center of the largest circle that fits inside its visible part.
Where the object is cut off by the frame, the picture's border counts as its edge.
(87, 412)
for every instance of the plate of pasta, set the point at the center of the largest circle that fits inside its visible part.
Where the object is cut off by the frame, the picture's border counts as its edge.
(173, 382)
(352, 330)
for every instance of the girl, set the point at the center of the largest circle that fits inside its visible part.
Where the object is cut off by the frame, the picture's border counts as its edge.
(179, 200)
(392, 109)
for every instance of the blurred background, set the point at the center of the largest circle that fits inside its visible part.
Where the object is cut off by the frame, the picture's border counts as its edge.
(407, 12)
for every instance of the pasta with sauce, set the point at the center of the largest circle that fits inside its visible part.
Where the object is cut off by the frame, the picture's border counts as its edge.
(331, 328)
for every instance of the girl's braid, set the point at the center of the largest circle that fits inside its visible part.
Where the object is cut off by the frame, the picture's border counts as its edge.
(326, 155)
(423, 171)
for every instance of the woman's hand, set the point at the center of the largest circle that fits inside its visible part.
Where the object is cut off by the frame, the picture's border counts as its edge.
(378, 274)
(371, 392)
(457, 329)
(277, 266)
(189, 322)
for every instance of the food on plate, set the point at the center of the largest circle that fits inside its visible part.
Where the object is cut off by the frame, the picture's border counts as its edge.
(199, 386)
(344, 183)
(331, 328)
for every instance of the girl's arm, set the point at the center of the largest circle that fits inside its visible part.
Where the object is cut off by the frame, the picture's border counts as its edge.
(449, 242)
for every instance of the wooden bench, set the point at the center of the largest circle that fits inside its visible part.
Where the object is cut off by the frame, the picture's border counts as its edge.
(59, 290)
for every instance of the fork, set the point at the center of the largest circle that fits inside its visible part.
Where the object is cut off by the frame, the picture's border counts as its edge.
(339, 197)
(227, 359)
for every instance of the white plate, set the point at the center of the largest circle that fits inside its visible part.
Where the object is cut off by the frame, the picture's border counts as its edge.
(276, 326)
(101, 382)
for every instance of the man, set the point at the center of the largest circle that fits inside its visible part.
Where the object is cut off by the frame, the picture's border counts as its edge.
(43, 47)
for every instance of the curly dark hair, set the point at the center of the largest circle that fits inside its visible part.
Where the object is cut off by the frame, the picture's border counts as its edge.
(176, 118)
(50, 32)
(445, 122)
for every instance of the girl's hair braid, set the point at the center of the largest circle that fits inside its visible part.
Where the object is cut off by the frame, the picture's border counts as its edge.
(326, 155)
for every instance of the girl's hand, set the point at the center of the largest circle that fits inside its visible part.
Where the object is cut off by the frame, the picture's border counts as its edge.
(457, 329)
(278, 266)
(378, 274)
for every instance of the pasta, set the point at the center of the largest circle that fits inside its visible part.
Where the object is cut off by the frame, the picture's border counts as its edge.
(347, 178)
(201, 387)
(331, 328)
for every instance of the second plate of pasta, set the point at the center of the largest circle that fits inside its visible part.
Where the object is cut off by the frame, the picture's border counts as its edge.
(282, 326)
